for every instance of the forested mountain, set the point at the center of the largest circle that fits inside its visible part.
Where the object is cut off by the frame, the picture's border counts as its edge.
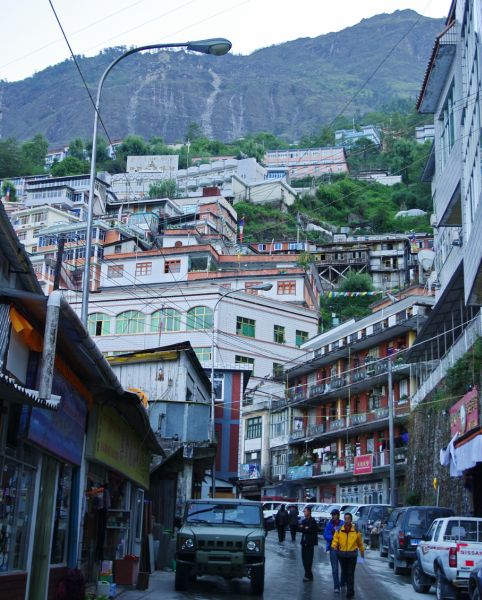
(289, 90)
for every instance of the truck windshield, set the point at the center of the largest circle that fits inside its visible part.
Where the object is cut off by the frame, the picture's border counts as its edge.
(223, 514)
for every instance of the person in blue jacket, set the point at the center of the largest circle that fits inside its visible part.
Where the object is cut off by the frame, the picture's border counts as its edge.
(333, 525)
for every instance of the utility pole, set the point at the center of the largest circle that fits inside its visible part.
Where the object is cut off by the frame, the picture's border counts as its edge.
(58, 260)
(391, 434)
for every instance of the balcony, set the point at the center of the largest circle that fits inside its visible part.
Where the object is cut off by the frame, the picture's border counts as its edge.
(303, 472)
(371, 374)
(381, 460)
(366, 421)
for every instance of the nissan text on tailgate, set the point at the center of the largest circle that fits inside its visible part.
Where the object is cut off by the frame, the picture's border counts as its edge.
(447, 555)
(221, 537)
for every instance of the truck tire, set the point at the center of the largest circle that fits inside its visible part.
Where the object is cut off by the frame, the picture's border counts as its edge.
(442, 588)
(383, 553)
(181, 580)
(420, 582)
(257, 580)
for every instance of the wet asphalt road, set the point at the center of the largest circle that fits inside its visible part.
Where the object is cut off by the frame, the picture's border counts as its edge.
(284, 580)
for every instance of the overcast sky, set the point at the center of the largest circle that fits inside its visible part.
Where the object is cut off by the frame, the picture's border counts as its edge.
(31, 39)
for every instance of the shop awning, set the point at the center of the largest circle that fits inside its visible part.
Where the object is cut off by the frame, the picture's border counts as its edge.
(12, 391)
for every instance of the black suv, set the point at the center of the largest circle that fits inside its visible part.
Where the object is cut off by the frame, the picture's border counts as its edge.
(411, 524)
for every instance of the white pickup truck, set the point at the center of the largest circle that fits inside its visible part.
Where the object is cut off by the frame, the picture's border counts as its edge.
(446, 556)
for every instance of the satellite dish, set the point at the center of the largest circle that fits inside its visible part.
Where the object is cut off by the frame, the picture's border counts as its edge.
(426, 258)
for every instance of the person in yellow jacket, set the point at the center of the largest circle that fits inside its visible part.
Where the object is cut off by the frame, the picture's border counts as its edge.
(347, 541)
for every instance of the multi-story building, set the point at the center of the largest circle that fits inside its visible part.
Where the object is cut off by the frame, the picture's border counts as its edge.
(308, 162)
(174, 294)
(451, 92)
(390, 260)
(329, 436)
(425, 133)
(348, 137)
(69, 193)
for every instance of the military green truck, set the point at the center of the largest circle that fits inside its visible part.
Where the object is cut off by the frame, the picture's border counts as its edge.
(221, 537)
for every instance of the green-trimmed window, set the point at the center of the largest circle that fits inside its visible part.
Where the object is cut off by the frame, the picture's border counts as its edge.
(98, 324)
(168, 319)
(203, 354)
(199, 317)
(277, 369)
(279, 334)
(246, 327)
(130, 321)
(243, 360)
(254, 428)
(301, 337)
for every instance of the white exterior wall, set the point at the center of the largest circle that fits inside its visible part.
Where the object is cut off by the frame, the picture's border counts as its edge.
(263, 310)
(130, 278)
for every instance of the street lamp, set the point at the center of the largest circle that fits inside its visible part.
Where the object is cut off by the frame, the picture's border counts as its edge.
(258, 287)
(216, 47)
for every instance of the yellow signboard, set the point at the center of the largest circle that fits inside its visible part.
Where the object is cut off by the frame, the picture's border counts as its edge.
(119, 447)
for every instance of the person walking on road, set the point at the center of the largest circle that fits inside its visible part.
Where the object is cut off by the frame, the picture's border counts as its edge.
(309, 539)
(348, 541)
(333, 525)
(293, 521)
(281, 520)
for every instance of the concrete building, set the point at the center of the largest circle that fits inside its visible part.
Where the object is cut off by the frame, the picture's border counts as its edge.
(390, 260)
(308, 162)
(275, 192)
(425, 133)
(348, 137)
(334, 416)
(177, 394)
(451, 93)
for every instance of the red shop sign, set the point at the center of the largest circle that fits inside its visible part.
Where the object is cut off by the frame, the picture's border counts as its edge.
(363, 465)
(464, 414)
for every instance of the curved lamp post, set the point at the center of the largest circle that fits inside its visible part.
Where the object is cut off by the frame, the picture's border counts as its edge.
(258, 287)
(216, 47)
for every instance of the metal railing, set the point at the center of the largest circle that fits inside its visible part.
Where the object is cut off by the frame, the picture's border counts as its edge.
(461, 346)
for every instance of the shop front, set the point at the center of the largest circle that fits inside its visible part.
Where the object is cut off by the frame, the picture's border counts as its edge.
(59, 436)
(117, 474)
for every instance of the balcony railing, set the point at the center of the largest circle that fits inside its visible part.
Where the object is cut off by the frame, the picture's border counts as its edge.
(371, 368)
(346, 465)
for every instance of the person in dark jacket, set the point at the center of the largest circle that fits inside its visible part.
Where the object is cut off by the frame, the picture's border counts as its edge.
(328, 534)
(309, 539)
(293, 521)
(281, 520)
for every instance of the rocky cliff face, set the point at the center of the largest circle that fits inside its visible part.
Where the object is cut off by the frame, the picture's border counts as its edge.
(429, 432)
(289, 89)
